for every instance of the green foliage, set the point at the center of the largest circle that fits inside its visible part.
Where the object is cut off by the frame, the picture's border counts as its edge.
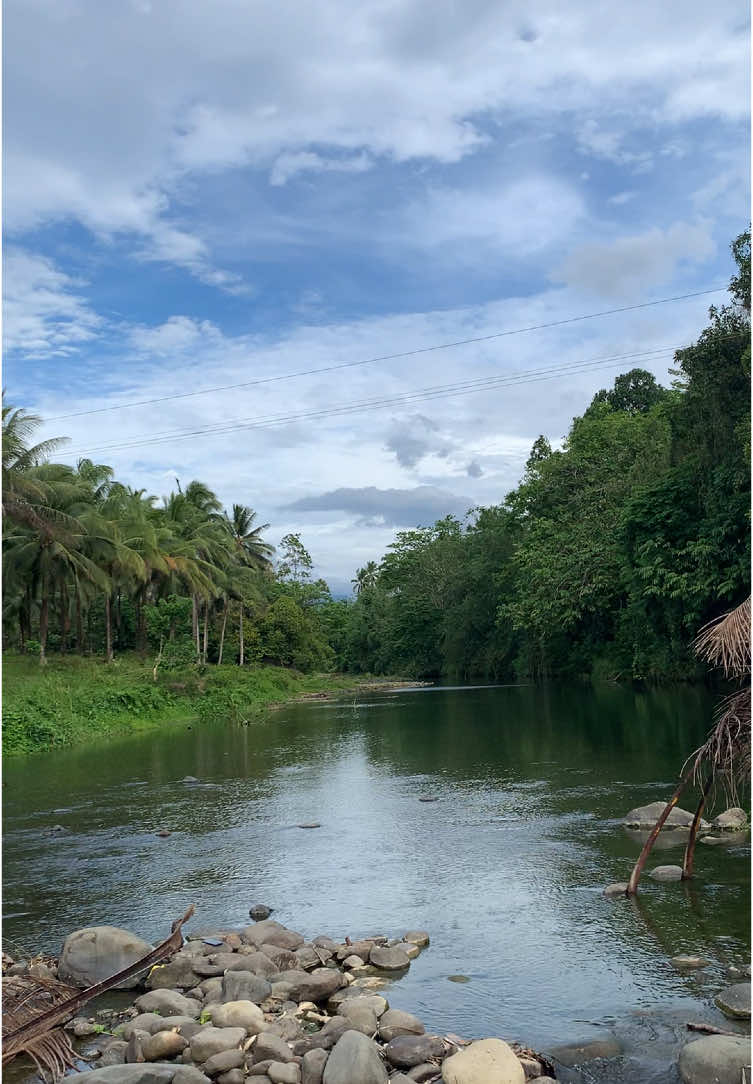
(609, 555)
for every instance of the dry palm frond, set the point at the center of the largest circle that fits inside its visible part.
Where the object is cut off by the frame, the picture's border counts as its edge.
(726, 750)
(34, 1012)
(725, 642)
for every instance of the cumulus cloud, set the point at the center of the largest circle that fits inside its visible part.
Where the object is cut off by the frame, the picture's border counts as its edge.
(416, 507)
(620, 267)
(44, 312)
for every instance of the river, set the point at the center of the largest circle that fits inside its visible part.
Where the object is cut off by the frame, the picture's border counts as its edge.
(505, 869)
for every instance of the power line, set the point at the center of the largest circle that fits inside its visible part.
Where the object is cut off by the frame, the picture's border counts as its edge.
(419, 395)
(384, 357)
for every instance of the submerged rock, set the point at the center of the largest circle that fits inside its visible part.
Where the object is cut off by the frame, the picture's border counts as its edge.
(572, 1054)
(666, 873)
(731, 820)
(646, 816)
(689, 963)
(617, 888)
(259, 911)
(735, 1001)
(715, 1059)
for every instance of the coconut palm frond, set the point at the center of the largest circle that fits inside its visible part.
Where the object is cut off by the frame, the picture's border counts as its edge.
(725, 642)
(726, 751)
(35, 1009)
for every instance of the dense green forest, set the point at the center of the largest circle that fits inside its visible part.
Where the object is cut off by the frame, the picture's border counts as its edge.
(604, 562)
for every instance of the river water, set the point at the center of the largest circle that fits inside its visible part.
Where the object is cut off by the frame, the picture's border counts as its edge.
(505, 869)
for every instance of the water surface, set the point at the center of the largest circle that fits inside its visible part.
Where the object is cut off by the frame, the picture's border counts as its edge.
(505, 869)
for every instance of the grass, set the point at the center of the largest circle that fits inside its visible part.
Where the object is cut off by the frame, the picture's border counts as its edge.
(74, 699)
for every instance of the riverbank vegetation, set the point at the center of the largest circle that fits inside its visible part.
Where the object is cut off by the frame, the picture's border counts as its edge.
(603, 563)
(74, 700)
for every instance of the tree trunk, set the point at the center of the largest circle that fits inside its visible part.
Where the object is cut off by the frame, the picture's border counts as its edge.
(65, 618)
(240, 661)
(44, 617)
(206, 627)
(635, 876)
(79, 623)
(687, 862)
(195, 624)
(117, 622)
(141, 622)
(222, 633)
(108, 629)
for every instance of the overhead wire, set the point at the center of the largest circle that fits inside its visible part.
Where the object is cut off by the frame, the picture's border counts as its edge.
(418, 395)
(275, 378)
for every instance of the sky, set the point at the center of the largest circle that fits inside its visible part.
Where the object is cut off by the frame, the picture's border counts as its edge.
(201, 196)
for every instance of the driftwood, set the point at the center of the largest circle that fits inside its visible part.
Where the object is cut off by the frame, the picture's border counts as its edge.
(725, 755)
(709, 1029)
(35, 1009)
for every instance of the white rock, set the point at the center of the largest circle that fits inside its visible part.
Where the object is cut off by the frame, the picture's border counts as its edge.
(488, 1061)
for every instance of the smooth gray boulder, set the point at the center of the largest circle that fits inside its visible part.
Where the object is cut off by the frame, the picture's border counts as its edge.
(646, 816)
(213, 1040)
(735, 1001)
(405, 1051)
(143, 1073)
(488, 1061)
(189, 1074)
(168, 1003)
(360, 1015)
(391, 958)
(731, 820)
(259, 911)
(178, 973)
(145, 1021)
(617, 888)
(354, 1057)
(238, 1014)
(395, 1022)
(312, 1066)
(284, 1073)
(96, 952)
(666, 873)
(715, 1059)
(244, 986)
(223, 1062)
(163, 1044)
(270, 1047)
(417, 937)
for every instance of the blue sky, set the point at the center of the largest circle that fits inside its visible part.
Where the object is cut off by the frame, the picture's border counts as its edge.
(207, 194)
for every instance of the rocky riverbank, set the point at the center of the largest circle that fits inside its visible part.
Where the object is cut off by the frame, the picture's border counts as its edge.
(263, 1006)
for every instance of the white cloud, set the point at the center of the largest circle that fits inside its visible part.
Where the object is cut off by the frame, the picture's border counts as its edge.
(43, 312)
(177, 335)
(626, 265)
(292, 163)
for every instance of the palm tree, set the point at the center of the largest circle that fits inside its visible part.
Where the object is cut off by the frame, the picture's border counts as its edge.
(365, 577)
(25, 496)
(251, 552)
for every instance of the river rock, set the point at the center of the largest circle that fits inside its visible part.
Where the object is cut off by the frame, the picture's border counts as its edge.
(145, 1021)
(270, 1047)
(212, 1040)
(646, 816)
(727, 838)
(395, 1022)
(96, 952)
(617, 888)
(406, 1051)
(689, 963)
(132, 1074)
(238, 1014)
(312, 1066)
(393, 958)
(135, 1047)
(573, 1054)
(257, 961)
(488, 1061)
(164, 1044)
(715, 1059)
(352, 962)
(284, 959)
(223, 1062)
(735, 1001)
(270, 931)
(307, 958)
(378, 1003)
(315, 985)
(244, 986)
(666, 873)
(284, 1073)
(417, 937)
(168, 1003)
(360, 1015)
(178, 973)
(360, 948)
(731, 820)
(114, 1054)
(259, 911)
(232, 1076)
(354, 1058)
(189, 1074)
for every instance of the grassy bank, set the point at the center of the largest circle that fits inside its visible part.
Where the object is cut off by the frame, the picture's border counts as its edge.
(75, 700)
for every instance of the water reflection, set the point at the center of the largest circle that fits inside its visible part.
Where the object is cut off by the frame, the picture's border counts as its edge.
(505, 868)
